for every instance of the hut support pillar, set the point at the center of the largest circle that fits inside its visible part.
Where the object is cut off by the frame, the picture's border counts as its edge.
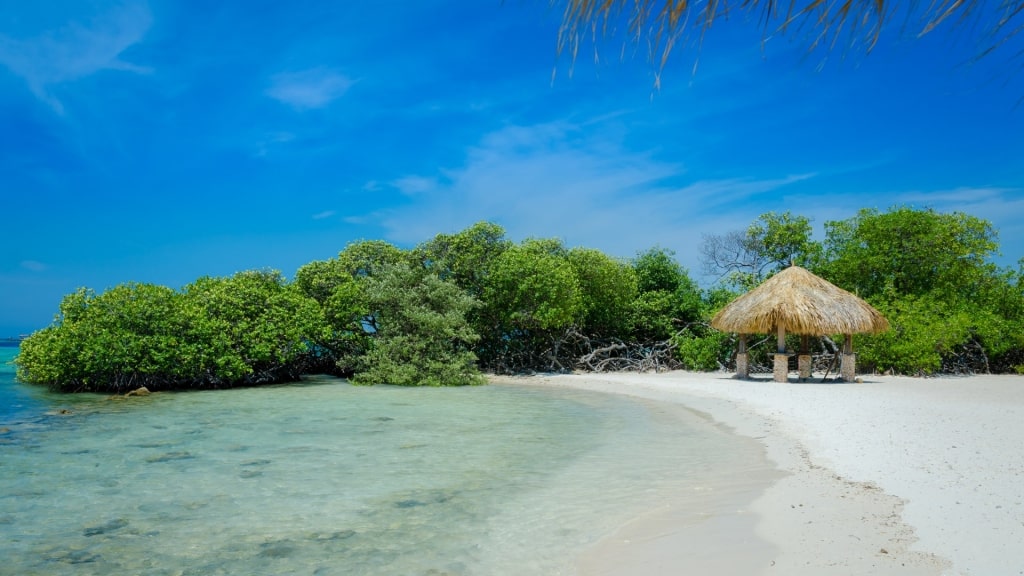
(848, 366)
(781, 369)
(742, 363)
(804, 358)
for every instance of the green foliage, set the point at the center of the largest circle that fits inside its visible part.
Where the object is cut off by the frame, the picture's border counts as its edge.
(128, 333)
(532, 286)
(744, 259)
(784, 239)
(363, 258)
(668, 298)
(423, 317)
(930, 334)
(248, 329)
(705, 351)
(920, 333)
(344, 307)
(465, 258)
(320, 278)
(653, 315)
(608, 289)
(911, 251)
(531, 297)
(657, 270)
(929, 273)
(422, 336)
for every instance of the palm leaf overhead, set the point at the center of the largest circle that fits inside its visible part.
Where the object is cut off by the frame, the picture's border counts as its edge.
(661, 23)
(801, 303)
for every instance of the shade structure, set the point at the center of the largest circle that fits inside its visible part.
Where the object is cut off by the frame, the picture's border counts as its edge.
(797, 302)
(800, 303)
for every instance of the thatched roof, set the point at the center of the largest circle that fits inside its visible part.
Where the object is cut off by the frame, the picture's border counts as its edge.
(803, 304)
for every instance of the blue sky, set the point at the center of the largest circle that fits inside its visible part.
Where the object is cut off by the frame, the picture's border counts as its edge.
(162, 141)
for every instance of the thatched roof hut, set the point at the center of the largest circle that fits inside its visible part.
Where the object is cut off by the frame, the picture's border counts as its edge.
(798, 302)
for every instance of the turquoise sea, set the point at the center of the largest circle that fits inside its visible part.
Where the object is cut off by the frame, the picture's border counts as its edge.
(326, 478)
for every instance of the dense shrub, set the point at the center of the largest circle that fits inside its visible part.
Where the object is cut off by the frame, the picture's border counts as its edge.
(435, 314)
(249, 329)
(421, 335)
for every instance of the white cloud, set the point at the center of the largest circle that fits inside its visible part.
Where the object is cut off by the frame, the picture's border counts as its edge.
(549, 180)
(309, 89)
(34, 266)
(76, 50)
(965, 199)
(323, 215)
(412, 185)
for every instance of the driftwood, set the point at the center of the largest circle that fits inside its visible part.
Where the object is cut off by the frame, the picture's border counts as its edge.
(572, 350)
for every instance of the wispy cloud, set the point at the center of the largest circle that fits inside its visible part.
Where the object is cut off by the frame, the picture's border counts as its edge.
(551, 180)
(269, 141)
(412, 185)
(324, 214)
(963, 196)
(34, 266)
(309, 89)
(76, 50)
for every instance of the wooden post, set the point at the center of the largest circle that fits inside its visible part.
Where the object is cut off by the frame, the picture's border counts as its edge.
(848, 367)
(804, 358)
(742, 362)
(781, 368)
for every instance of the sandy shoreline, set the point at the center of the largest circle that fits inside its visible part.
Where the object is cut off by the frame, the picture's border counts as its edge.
(891, 476)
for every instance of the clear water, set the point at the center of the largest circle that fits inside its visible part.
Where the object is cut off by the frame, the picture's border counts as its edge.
(328, 478)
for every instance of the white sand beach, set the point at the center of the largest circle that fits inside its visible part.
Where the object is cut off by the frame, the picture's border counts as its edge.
(889, 476)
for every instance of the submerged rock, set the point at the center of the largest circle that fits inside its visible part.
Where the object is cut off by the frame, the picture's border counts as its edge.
(142, 391)
(75, 557)
(255, 463)
(277, 549)
(115, 524)
(330, 536)
(170, 456)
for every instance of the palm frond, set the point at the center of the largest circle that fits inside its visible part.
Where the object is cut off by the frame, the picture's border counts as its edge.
(660, 24)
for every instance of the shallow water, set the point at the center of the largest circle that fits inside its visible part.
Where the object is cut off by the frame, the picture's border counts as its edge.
(328, 478)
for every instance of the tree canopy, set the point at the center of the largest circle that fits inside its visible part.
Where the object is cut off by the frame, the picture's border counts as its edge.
(745, 258)
(421, 334)
(474, 300)
(251, 328)
(930, 273)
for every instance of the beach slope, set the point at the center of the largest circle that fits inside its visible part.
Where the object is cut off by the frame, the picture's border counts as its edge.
(888, 476)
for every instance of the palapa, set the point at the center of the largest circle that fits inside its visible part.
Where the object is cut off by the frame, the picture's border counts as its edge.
(801, 303)
(798, 302)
